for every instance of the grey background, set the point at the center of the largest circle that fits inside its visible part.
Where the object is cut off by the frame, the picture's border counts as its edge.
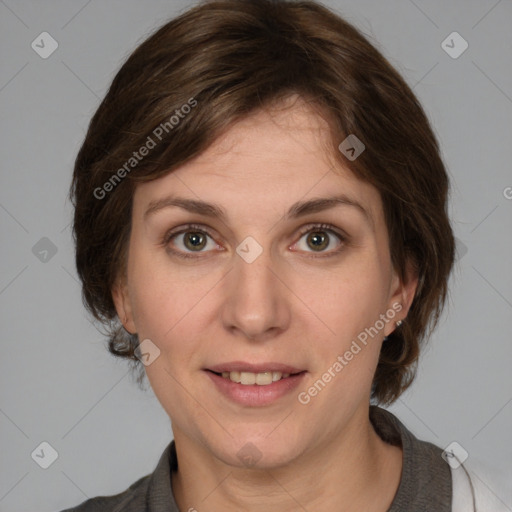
(59, 384)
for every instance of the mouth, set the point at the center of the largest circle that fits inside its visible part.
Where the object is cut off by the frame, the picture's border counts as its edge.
(250, 374)
(247, 378)
(255, 388)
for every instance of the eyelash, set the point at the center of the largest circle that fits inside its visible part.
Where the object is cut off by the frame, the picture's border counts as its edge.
(307, 229)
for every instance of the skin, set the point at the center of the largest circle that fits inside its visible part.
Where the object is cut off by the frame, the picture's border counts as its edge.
(293, 305)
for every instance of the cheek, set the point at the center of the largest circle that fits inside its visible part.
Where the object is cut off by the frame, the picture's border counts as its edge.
(165, 310)
(161, 308)
(348, 299)
(168, 302)
(347, 346)
(154, 289)
(347, 306)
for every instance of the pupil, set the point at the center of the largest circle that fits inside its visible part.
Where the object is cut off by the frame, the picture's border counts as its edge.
(194, 240)
(318, 239)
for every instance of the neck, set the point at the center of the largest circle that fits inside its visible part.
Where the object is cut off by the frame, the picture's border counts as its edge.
(351, 470)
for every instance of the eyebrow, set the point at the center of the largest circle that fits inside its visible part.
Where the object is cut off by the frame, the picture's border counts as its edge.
(298, 209)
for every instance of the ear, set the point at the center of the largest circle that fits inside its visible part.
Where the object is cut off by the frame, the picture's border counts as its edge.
(122, 302)
(402, 295)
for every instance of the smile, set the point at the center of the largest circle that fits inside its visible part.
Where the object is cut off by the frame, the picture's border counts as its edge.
(255, 389)
(250, 378)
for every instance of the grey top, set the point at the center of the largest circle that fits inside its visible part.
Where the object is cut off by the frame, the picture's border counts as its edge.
(425, 485)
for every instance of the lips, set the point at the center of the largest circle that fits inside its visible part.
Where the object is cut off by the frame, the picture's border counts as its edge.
(256, 395)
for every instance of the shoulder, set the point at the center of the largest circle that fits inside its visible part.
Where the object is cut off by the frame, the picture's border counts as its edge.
(149, 493)
(477, 486)
(131, 500)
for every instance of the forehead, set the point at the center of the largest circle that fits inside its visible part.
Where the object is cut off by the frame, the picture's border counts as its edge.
(289, 131)
(265, 163)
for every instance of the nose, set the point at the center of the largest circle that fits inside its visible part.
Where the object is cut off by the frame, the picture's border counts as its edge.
(256, 304)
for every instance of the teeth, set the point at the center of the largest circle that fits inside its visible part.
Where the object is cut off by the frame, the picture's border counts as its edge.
(249, 378)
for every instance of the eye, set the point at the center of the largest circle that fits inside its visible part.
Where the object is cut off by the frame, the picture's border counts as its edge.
(320, 237)
(189, 240)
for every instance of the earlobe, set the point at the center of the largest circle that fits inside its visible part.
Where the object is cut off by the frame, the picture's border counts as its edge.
(122, 303)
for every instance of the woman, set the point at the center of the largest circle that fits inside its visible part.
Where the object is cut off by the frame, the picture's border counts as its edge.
(261, 220)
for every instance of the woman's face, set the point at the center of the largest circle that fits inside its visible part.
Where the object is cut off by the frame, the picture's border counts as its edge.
(262, 284)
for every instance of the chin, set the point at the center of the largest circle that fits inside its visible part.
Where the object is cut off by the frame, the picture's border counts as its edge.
(260, 452)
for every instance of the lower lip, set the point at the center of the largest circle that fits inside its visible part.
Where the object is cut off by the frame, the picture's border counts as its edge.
(255, 395)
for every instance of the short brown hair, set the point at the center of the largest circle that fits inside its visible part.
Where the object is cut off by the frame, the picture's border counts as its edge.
(225, 59)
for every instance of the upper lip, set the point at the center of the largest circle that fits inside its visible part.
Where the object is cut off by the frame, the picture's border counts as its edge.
(242, 366)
